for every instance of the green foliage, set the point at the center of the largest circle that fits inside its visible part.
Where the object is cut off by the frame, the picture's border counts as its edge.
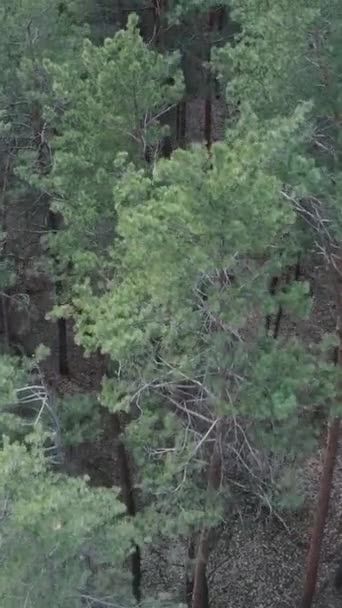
(30, 32)
(80, 418)
(11, 376)
(177, 227)
(52, 528)
(270, 61)
(166, 270)
(169, 319)
(289, 52)
(115, 95)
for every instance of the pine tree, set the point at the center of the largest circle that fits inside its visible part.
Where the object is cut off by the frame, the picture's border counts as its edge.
(304, 43)
(61, 539)
(115, 95)
(181, 316)
(30, 32)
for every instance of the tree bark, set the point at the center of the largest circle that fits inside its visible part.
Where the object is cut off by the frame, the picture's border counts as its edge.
(53, 223)
(181, 123)
(189, 571)
(63, 362)
(274, 284)
(3, 251)
(326, 480)
(158, 6)
(321, 513)
(200, 594)
(127, 492)
(208, 110)
(221, 16)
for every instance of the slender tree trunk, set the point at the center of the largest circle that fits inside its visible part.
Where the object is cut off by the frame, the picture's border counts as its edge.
(121, 16)
(221, 16)
(321, 513)
(189, 571)
(274, 283)
(326, 480)
(127, 491)
(208, 110)
(158, 6)
(200, 594)
(53, 223)
(181, 123)
(63, 362)
(4, 295)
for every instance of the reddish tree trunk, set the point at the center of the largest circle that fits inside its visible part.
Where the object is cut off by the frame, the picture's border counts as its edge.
(200, 594)
(321, 513)
(326, 480)
(127, 492)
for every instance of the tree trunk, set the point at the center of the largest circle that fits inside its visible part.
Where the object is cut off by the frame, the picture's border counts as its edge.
(53, 223)
(326, 480)
(321, 513)
(127, 492)
(200, 595)
(3, 213)
(274, 284)
(208, 100)
(158, 6)
(181, 123)
(189, 571)
(221, 17)
(63, 363)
